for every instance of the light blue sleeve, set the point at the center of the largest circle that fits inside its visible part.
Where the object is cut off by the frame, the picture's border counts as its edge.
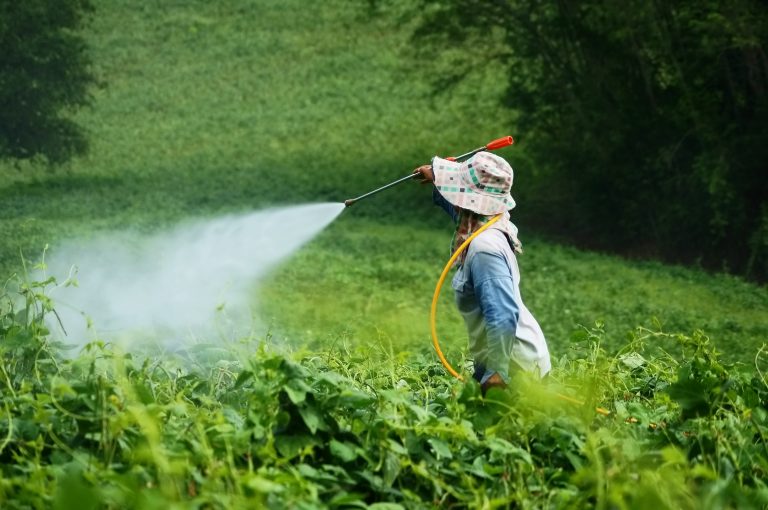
(495, 291)
(440, 200)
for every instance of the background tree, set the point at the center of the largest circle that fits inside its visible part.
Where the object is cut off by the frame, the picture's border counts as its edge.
(44, 75)
(646, 122)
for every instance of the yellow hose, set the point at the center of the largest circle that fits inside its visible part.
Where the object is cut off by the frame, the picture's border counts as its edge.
(433, 313)
(433, 310)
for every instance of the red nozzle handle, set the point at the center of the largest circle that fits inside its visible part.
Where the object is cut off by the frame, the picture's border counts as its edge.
(499, 143)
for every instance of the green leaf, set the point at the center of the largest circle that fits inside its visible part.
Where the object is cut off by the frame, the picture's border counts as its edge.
(143, 393)
(574, 459)
(632, 360)
(397, 447)
(73, 492)
(297, 390)
(263, 485)
(354, 398)
(440, 448)
(505, 448)
(691, 395)
(312, 419)
(343, 451)
(339, 473)
(478, 468)
(391, 468)
(242, 378)
(348, 499)
(290, 446)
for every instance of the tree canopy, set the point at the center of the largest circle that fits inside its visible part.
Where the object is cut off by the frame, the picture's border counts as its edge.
(647, 122)
(44, 75)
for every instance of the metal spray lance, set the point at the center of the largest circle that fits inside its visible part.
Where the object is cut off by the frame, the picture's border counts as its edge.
(490, 146)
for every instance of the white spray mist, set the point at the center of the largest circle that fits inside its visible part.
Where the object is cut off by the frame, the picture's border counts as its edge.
(179, 286)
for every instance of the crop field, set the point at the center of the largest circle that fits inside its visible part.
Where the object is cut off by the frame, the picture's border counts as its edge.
(367, 426)
(658, 396)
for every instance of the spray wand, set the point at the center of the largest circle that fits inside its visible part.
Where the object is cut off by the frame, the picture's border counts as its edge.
(490, 146)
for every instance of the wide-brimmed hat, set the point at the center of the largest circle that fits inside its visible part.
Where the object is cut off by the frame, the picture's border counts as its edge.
(481, 184)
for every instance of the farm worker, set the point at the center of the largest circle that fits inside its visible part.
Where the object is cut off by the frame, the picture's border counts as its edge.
(502, 331)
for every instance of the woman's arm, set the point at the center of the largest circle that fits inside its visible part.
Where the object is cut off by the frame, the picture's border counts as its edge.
(428, 176)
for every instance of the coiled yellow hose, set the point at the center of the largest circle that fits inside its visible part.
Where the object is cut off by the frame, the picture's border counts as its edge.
(433, 310)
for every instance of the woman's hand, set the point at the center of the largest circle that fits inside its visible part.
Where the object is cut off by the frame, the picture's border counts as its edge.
(426, 175)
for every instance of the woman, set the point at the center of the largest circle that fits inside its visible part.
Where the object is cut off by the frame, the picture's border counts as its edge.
(502, 332)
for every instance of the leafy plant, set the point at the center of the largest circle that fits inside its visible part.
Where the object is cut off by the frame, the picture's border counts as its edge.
(352, 428)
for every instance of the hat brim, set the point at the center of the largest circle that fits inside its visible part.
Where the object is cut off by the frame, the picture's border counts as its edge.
(451, 183)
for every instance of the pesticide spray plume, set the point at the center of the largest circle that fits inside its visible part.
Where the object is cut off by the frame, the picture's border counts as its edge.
(490, 146)
(193, 283)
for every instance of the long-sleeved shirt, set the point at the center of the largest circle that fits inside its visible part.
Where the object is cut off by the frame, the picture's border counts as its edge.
(501, 329)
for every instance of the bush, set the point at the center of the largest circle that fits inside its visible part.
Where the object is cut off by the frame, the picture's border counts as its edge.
(45, 74)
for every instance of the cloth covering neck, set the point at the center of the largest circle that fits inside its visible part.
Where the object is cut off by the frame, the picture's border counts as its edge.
(470, 222)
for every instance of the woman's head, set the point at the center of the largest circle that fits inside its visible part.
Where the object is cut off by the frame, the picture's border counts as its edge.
(482, 184)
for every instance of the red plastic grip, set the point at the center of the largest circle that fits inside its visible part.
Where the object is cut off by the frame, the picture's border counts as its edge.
(499, 143)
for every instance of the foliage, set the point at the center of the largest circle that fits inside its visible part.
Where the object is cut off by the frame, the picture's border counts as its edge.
(45, 69)
(645, 120)
(346, 428)
(314, 99)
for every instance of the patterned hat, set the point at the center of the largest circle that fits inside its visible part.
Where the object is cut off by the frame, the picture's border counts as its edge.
(481, 184)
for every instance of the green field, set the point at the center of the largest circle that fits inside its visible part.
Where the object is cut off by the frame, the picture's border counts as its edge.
(207, 108)
(379, 293)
